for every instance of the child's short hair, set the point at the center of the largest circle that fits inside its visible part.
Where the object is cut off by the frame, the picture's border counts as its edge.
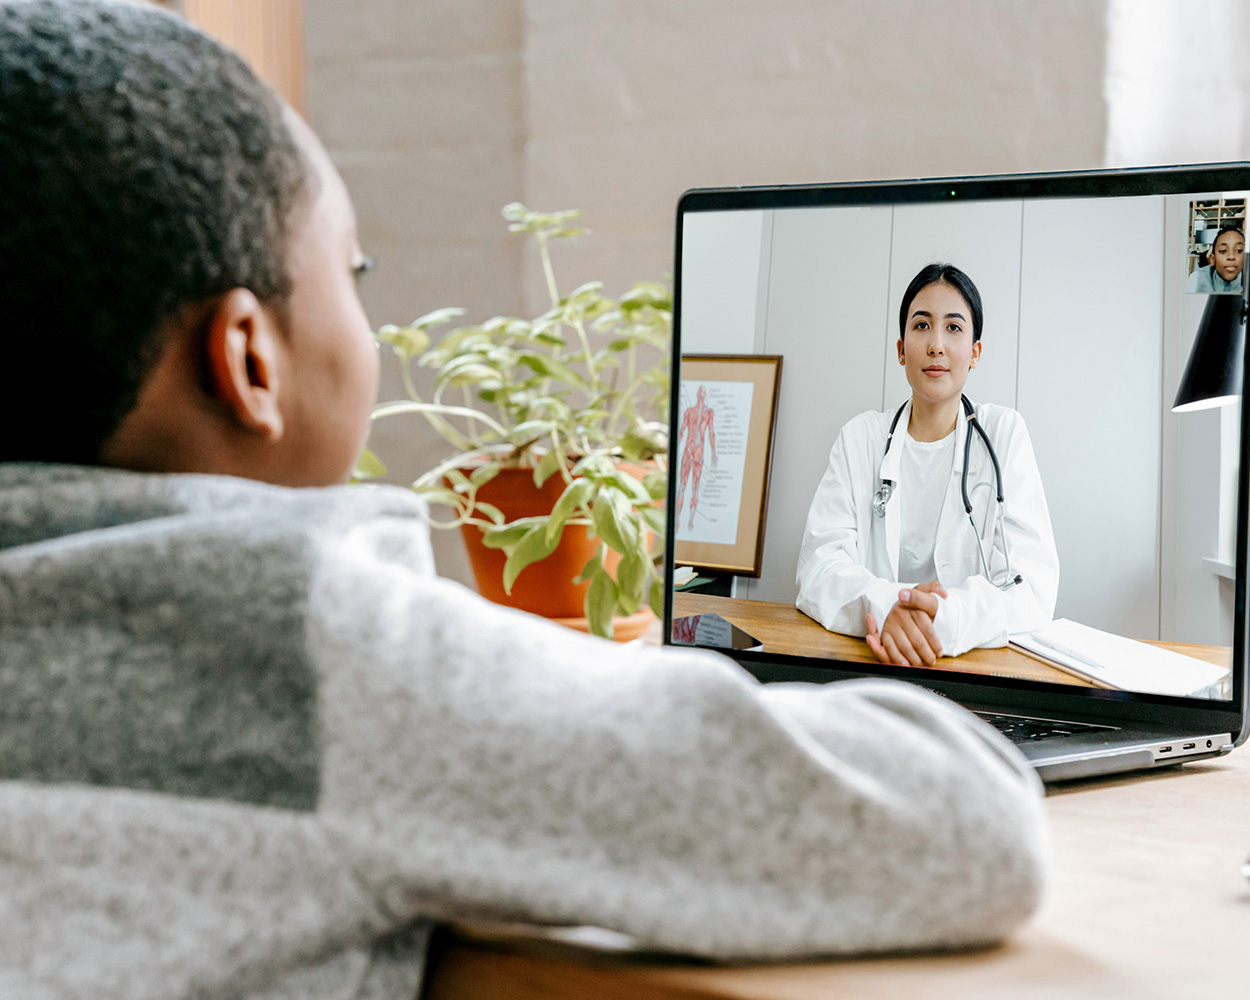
(145, 168)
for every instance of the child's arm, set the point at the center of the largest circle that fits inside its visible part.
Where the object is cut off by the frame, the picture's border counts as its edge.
(480, 762)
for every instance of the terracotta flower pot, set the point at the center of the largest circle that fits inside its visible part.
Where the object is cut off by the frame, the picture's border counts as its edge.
(545, 587)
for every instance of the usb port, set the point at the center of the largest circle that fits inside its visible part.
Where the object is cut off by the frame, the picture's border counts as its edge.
(1165, 749)
(1188, 746)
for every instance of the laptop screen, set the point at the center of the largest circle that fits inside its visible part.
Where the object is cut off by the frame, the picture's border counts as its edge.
(866, 369)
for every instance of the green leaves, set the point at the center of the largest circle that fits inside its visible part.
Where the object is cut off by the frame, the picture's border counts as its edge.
(508, 536)
(436, 318)
(656, 484)
(647, 294)
(463, 339)
(532, 547)
(409, 341)
(548, 224)
(596, 467)
(547, 466)
(641, 444)
(612, 515)
(573, 497)
(601, 601)
(529, 431)
(552, 367)
(572, 392)
(631, 581)
(657, 597)
(619, 511)
(654, 518)
(368, 466)
(440, 494)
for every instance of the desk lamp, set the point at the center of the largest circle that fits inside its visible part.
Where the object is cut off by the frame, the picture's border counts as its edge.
(1213, 375)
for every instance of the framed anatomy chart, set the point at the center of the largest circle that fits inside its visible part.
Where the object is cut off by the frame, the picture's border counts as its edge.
(727, 410)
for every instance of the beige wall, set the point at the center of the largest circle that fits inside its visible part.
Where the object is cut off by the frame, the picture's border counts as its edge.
(440, 112)
(420, 105)
(629, 105)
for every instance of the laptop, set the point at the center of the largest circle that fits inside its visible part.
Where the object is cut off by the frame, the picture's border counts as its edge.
(1099, 612)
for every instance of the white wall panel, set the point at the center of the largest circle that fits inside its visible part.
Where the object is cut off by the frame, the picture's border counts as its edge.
(982, 239)
(719, 282)
(1090, 379)
(827, 303)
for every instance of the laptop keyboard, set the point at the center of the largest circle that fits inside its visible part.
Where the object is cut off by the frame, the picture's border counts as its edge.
(1020, 729)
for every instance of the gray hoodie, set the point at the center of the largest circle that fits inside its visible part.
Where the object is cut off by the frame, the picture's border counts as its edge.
(251, 746)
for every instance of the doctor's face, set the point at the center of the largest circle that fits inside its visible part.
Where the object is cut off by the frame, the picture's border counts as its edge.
(937, 347)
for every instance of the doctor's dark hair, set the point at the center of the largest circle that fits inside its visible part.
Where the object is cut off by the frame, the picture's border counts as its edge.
(146, 170)
(932, 274)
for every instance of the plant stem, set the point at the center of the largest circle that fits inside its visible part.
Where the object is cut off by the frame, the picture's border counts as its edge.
(409, 387)
(449, 432)
(624, 401)
(586, 352)
(548, 272)
(432, 412)
(435, 474)
(558, 451)
(629, 381)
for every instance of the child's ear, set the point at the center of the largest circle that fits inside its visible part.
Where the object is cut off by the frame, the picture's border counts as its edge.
(243, 348)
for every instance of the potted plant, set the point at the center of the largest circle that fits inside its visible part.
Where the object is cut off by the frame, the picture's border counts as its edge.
(559, 433)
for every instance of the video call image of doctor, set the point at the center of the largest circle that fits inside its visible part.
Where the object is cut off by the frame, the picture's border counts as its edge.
(889, 551)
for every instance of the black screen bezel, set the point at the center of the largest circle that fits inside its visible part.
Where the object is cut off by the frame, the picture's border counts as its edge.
(1224, 716)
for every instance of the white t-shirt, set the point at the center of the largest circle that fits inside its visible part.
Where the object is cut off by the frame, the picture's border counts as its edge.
(923, 476)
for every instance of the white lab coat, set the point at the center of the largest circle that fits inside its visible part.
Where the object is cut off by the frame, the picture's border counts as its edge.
(848, 562)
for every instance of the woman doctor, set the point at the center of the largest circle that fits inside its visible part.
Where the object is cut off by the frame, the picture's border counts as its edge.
(889, 552)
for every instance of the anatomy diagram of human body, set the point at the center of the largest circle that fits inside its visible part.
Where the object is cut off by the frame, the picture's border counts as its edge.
(697, 420)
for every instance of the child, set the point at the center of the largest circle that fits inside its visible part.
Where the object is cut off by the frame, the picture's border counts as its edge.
(1226, 256)
(252, 745)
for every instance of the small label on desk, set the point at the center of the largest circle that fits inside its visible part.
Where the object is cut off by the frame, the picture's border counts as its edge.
(712, 631)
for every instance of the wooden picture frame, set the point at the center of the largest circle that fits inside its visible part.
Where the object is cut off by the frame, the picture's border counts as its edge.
(727, 535)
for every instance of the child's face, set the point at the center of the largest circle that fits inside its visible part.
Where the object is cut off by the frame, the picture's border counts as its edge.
(1228, 255)
(331, 381)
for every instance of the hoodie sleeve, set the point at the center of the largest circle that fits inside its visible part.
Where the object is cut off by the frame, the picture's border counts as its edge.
(481, 762)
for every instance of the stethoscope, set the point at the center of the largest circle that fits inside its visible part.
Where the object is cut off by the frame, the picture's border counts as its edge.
(886, 491)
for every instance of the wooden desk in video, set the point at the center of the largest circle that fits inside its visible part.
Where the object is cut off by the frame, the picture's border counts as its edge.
(784, 629)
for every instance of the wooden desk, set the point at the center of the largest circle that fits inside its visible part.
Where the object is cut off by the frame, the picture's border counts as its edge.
(783, 628)
(1146, 904)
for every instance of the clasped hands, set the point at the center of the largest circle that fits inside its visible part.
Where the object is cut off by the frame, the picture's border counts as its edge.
(907, 636)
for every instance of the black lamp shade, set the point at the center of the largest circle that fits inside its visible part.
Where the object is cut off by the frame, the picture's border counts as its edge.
(1213, 375)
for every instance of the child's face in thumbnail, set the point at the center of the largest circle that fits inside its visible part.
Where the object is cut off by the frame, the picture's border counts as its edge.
(937, 348)
(1228, 255)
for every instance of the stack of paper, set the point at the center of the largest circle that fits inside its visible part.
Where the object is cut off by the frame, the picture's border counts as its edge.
(1125, 663)
(682, 575)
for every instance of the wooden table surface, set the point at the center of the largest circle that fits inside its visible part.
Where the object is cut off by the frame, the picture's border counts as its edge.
(783, 628)
(1146, 903)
